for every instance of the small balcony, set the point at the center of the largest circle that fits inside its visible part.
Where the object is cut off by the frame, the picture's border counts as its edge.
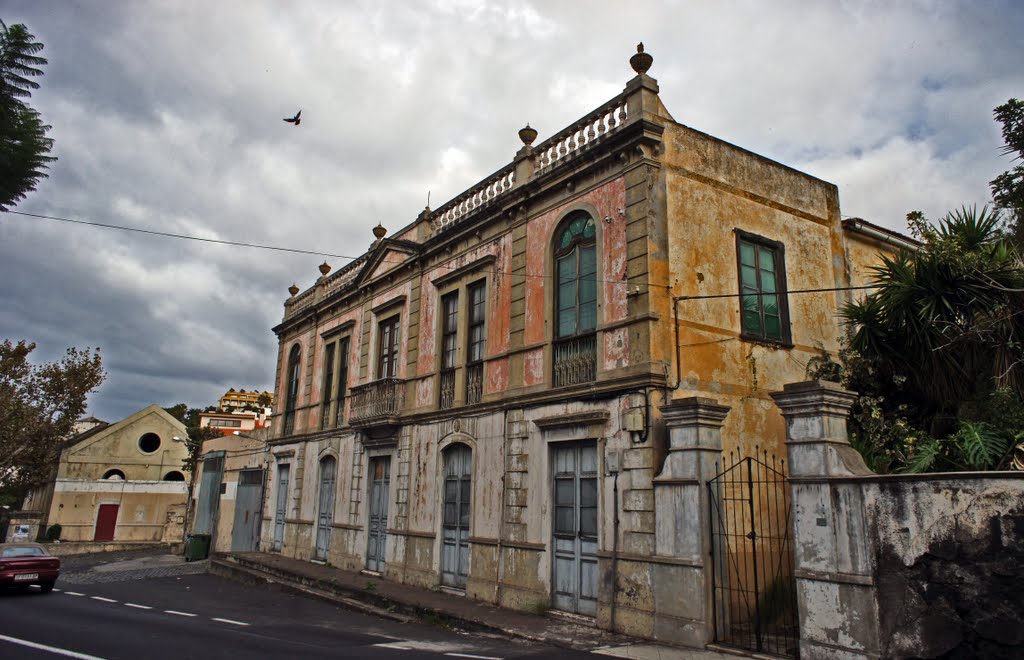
(379, 402)
(575, 360)
(474, 382)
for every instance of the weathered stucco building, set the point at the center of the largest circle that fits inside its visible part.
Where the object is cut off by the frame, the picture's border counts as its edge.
(118, 482)
(475, 402)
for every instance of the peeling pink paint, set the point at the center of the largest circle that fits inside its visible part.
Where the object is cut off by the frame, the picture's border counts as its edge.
(425, 392)
(389, 261)
(608, 200)
(497, 376)
(533, 367)
(616, 349)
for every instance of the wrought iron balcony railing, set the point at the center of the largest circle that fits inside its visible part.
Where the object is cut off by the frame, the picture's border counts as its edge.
(447, 389)
(575, 360)
(380, 401)
(474, 383)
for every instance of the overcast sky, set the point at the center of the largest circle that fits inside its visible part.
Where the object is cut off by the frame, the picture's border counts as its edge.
(167, 117)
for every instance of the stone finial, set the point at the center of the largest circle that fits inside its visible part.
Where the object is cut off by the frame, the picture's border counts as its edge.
(642, 61)
(293, 289)
(527, 135)
(379, 231)
(324, 269)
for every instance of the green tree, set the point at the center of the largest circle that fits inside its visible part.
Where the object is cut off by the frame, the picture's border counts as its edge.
(1008, 187)
(936, 352)
(24, 145)
(39, 405)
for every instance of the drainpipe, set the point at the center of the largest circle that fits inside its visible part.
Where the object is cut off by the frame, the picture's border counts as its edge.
(501, 507)
(615, 544)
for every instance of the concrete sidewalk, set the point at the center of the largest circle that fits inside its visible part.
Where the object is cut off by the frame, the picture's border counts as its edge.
(367, 593)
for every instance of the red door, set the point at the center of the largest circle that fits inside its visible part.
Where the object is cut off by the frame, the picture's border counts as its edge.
(106, 522)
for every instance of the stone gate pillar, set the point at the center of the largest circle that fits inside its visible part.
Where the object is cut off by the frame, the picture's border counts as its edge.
(681, 577)
(836, 591)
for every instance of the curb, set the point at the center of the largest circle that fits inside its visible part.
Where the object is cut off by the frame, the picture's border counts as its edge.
(371, 602)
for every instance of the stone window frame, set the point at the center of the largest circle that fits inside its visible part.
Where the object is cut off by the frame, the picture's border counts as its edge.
(293, 374)
(778, 250)
(337, 374)
(459, 282)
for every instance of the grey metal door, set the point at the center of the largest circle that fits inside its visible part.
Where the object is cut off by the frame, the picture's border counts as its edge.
(245, 532)
(380, 478)
(458, 470)
(575, 527)
(325, 511)
(209, 496)
(282, 505)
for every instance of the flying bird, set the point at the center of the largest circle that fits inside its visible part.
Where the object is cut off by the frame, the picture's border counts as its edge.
(294, 120)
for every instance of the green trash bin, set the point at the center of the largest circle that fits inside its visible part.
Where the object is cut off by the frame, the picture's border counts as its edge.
(197, 547)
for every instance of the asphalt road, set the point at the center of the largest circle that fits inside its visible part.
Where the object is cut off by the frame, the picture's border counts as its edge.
(204, 616)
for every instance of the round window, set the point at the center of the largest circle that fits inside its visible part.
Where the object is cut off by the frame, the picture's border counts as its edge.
(149, 443)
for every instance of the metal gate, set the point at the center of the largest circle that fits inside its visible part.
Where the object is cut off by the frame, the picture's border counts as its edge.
(754, 594)
(245, 533)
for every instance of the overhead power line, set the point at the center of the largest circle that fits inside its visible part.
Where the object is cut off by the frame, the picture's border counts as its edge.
(276, 248)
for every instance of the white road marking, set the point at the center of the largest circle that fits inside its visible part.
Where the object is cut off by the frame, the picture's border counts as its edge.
(393, 645)
(179, 613)
(51, 649)
(56, 589)
(105, 600)
(73, 593)
(138, 607)
(234, 623)
(470, 655)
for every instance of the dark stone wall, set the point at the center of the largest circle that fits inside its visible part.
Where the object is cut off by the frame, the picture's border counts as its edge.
(962, 598)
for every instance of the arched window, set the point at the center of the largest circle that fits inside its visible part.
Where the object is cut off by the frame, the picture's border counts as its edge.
(114, 475)
(174, 475)
(575, 254)
(292, 391)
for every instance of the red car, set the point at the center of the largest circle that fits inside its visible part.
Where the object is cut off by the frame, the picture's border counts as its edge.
(22, 564)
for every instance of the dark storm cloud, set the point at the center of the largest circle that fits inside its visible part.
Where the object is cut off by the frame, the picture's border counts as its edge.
(167, 116)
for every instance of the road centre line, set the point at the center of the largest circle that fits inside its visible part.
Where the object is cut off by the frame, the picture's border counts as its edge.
(105, 600)
(393, 645)
(470, 655)
(176, 613)
(51, 649)
(73, 593)
(138, 607)
(232, 622)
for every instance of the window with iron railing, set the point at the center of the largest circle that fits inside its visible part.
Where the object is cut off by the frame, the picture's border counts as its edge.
(476, 341)
(387, 348)
(292, 391)
(335, 383)
(574, 354)
(449, 348)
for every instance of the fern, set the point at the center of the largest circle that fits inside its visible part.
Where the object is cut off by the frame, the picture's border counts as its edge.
(924, 456)
(982, 446)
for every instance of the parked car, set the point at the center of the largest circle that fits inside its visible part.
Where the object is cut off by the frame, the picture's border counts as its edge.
(24, 564)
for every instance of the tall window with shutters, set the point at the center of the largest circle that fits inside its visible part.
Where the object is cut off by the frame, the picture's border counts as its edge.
(387, 348)
(476, 341)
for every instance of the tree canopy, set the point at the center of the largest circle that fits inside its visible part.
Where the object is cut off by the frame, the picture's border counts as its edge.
(1008, 187)
(24, 145)
(936, 352)
(39, 405)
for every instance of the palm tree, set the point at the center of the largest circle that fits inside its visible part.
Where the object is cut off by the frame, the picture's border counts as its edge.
(947, 320)
(24, 146)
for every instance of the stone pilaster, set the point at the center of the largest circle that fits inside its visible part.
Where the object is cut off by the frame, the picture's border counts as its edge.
(835, 582)
(682, 588)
